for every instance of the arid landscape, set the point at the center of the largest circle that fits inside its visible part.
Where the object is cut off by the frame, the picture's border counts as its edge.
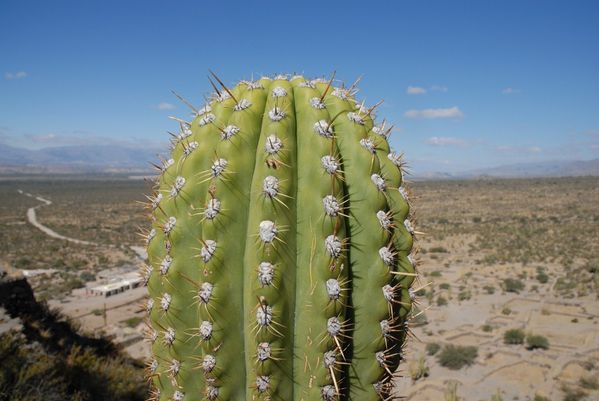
(508, 294)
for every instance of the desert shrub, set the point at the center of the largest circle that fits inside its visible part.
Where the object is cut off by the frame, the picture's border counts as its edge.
(87, 276)
(497, 396)
(133, 321)
(564, 284)
(435, 273)
(457, 356)
(464, 295)
(536, 341)
(490, 260)
(506, 311)
(573, 393)
(542, 277)
(432, 348)
(540, 398)
(489, 289)
(589, 382)
(487, 328)
(514, 336)
(513, 285)
(592, 266)
(438, 249)
(441, 301)
(73, 283)
(418, 368)
(30, 373)
(451, 391)
(23, 263)
(444, 286)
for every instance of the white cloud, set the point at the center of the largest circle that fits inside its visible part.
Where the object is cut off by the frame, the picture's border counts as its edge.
(445, 141)
(510, 91)
(165, 106)
(415, 90)
(15, 75)
(452, 112)
(439, 88)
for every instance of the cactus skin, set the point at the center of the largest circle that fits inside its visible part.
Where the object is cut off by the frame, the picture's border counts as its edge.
(279, 259)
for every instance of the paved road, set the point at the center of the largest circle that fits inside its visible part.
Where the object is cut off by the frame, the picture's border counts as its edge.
(32, 219)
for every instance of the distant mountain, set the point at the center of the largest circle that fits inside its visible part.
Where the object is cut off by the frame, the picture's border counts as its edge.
(77, 159)
(556, 168)
(540, 169)
(124, 159)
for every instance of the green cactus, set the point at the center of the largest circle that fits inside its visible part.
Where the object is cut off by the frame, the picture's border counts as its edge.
(280, 255)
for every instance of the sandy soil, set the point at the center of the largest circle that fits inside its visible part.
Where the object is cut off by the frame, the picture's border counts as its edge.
(570, 325)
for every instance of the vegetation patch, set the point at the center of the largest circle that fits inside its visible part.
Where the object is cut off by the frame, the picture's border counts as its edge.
(457, 356)
(514, 336)
(534, 341)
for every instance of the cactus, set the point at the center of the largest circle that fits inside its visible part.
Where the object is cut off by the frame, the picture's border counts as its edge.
(280, 254)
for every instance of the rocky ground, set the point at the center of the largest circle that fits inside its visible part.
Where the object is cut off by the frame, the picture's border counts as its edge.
(497, 255)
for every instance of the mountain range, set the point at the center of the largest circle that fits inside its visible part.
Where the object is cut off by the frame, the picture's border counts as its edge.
(555, 168)
(77, 159)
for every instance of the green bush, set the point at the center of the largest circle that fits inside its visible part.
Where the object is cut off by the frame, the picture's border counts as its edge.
(441, 301)
(457, 356)
(592, 266)
(489, 289)
(444, 286)
(30, 373)
(536, 341)
(435, 273)
(540, 398)
(513, 285)
(23, 263)
(573, 394)
(432, 348)
(514, 336)
(87, 276)
(542, 277)
(487, 328)
(464, 295)
(133, 321)
(589, 382)
(438, 249)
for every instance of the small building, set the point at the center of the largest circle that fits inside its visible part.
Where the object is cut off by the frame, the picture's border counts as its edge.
(116, 286)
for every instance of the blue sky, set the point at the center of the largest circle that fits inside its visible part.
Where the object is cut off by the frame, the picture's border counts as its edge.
(468, 83)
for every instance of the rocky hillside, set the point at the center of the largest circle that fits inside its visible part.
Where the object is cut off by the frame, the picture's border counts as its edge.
(47, 358)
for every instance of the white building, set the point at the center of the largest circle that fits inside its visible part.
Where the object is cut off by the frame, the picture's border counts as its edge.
(127, 282)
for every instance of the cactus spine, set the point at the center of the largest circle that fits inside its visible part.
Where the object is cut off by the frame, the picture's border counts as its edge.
(279, 257)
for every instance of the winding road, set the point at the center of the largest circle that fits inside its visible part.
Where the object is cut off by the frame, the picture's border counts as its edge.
(140, 251)
(32, 219)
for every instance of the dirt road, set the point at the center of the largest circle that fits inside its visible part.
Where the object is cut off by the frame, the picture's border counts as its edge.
(32, 219)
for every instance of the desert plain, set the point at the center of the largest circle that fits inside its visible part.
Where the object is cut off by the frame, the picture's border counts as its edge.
(496, 256)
